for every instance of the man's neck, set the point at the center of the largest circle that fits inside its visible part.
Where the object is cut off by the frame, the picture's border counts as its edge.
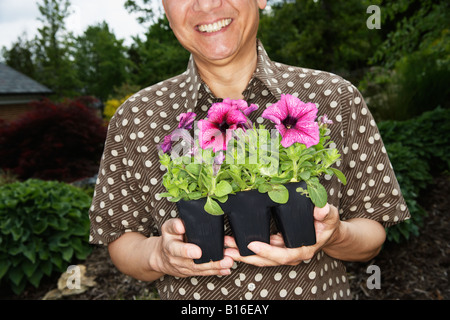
(228, 79)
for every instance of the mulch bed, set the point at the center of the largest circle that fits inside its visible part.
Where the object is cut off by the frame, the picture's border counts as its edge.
(416, 269)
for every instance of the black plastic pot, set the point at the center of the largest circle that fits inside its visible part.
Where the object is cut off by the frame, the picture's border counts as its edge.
(250, 212)
(249, 216)
(203, 229)
(295, 219)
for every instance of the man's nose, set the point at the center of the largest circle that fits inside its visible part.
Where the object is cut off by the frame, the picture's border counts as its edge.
(206, 5)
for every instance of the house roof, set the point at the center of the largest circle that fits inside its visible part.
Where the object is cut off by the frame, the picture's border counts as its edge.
(13, 82)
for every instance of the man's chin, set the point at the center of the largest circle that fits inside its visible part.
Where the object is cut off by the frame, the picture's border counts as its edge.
(217, 54)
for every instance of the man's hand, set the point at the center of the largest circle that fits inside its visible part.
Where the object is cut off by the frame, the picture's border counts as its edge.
(326, 222)
(175, 257)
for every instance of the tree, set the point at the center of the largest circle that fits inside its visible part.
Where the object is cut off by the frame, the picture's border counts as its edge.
(324, 34)
(410, 26)
(53, 64)
(148, 11)
(159, 56)
(21, 56)
(100, 61)
(411, 67)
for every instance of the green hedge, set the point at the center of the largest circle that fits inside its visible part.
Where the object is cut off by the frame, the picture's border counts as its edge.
(44, 225)
(418, 149)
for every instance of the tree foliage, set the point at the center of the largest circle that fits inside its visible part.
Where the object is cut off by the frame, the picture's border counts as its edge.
(147, 10)
(52, 49)
(100, 61)
(410, 70)
(327, 35)
(411, 26)
(21, 56)
(159, 56)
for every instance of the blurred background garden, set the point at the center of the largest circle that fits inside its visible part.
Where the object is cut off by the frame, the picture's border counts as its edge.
(50, 147)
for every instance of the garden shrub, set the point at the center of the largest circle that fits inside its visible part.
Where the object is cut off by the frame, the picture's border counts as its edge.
(7, 177)
(413, 175)
(417, 84)
(418, 149)
(427, 136)
(111, 106)
(44, 225)
(55, 141)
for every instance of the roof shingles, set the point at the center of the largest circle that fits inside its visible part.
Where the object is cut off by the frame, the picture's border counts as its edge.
(14, 82)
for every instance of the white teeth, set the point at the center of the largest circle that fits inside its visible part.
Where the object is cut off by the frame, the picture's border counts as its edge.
(214, 27)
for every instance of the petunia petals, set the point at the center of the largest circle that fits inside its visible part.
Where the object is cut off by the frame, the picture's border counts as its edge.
(186, 120)
(295, 120)
(302, 111)
(223, 118)
(218, 112)
(289, 138)
(276, 112)
(309, 132)
(235, 117)
(166, 146)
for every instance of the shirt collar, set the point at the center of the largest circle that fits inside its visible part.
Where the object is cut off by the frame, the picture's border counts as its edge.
(266, 71)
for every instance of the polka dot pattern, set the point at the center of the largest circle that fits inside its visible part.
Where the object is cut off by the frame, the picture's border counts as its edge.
(127, 192)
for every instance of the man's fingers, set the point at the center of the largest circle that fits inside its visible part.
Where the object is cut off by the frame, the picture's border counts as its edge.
(173, 227)
(268, 251)
(321, 214)
(277, 240)
(187, 267)
(178, 248)
(260, 260)
(173, 231)
(225, 263)
(178, 256)
(230, 242)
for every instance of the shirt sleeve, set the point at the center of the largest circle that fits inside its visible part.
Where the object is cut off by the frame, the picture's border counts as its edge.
(372, 189)
(117, 205)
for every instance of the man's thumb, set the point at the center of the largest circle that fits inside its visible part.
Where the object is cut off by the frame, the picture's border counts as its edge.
(321, 214)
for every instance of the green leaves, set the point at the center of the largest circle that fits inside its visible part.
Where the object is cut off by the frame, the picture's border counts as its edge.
(212, 207)
(194, 169)
(223, 188)
(317, 192)
(43, 227)
(339, 175)
(279, 194)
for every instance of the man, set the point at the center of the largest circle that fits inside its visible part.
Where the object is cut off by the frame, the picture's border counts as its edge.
(142, 230)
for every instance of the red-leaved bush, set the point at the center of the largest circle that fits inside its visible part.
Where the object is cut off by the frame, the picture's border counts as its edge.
(55, 141)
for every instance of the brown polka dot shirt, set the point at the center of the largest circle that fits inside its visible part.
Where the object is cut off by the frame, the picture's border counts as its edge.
(126, 197)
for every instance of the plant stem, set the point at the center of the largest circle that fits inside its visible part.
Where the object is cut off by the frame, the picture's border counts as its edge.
(214, 181)
(295, 167)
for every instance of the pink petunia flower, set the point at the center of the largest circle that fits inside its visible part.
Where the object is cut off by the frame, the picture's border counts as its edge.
(295, 120)
(185, 123)
(217, 130)
(177, 134)
(166, 146)
(242, 105)
(186, 120)
(218, 161)
(323, 120)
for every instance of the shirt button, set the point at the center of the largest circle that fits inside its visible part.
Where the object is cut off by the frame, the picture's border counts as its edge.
(251, 286)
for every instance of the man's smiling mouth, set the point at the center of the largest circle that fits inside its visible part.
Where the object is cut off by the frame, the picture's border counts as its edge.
(214, 27)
